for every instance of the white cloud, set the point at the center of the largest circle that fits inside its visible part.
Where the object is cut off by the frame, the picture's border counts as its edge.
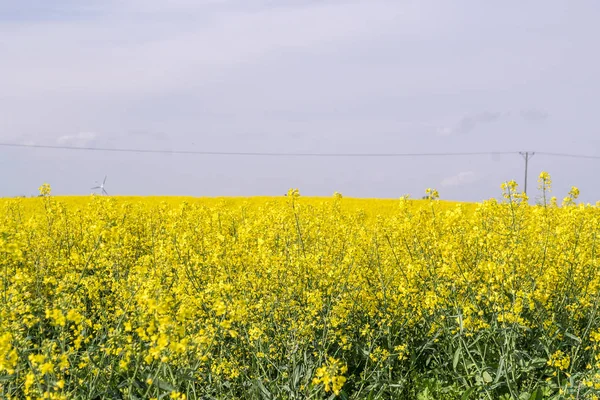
(468, 123)
(471, 122)
(533, 115)
(445, 131)
(462, 178)
(80, 139)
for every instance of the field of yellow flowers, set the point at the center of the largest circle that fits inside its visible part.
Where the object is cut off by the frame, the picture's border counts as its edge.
(299, 298)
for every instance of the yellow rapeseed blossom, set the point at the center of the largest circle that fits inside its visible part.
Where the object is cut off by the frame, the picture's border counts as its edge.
(8, 355)
(299, 297)
(560, 360)
(331, 375)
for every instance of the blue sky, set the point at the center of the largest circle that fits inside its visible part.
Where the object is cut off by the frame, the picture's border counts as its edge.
(298, 76)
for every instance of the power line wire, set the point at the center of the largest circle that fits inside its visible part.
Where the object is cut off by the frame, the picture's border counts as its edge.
(568, 155)
(285, 154)
(527, 154)
(256, 154)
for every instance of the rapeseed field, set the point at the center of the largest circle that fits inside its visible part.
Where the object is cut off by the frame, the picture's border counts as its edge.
(299, 298)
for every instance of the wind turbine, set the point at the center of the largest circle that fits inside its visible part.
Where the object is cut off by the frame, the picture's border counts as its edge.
(101, 187)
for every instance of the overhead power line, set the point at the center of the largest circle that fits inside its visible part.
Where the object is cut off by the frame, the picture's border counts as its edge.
(290, 154)
(569, 155)
(527, 155)
(256, 154)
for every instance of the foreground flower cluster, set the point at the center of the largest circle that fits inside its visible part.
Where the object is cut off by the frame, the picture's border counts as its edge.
(295, 298)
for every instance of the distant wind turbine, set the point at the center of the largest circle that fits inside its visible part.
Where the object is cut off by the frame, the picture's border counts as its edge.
(101, 187)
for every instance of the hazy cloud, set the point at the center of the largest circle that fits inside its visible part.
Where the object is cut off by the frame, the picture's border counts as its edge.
(80, 139)
(156, 135)
(470, 122)
(533, 115)
(462, 178)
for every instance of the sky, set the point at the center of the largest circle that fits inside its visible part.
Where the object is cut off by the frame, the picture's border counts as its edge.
(329, 76)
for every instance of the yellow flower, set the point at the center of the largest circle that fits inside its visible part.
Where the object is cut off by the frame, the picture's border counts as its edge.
(331, 375)
(293, 193)
(46, 368)
(74, 316)
(8, 355)
(45, 190)
(432, 194)
(560, 360)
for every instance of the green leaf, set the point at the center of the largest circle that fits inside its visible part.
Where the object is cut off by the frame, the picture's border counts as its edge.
(575, 338)
(297, 375)
(536, 395)
(424, 395)
(499, 370)
(487, 378)
(467, 394)
(264, 391)
(539, 361)
(165, 386)
(456, 358)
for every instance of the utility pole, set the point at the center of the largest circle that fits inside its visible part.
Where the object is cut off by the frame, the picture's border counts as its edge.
(527, 155)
